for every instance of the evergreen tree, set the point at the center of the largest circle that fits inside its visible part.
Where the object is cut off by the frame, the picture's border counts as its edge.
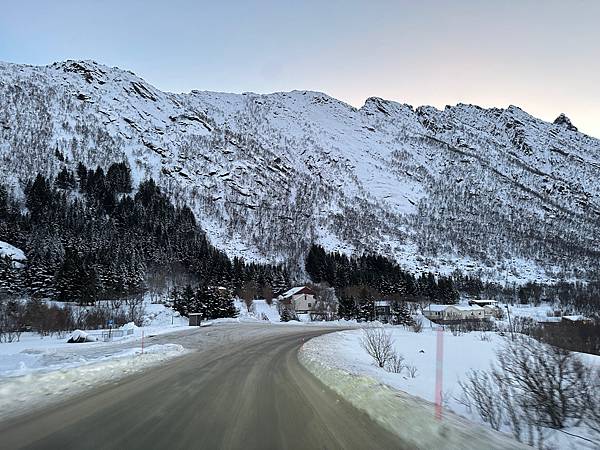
(118, 178)
(184, 301)
(10, 277)
(38, 197)
(347, 308)
(3, 202)
(402, 314)
(71, 278)
(40, 278)
(65, 179)
(288, 314)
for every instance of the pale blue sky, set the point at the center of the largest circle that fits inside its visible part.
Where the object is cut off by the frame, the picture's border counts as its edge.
(541, 55)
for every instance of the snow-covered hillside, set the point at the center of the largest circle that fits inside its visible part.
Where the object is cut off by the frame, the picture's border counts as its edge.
(494, 191)
(15, 254)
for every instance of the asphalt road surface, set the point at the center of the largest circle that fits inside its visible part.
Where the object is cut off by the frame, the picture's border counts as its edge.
(242, 388)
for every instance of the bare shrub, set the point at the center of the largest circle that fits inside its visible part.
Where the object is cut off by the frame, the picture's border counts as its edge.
(532, 388)
(417, 325)
(268, 294)
(592, 400)
(378, 344)
(456, 331)
(396, 363)
(249, 302)
(248, 293)
(12, 319)
(480, 391)
(134, 309)
(485, 337)
(412, 371)
(548, 380)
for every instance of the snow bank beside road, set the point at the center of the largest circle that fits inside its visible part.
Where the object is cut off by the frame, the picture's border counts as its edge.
(17, 393)
(409, 417)
(342, 352)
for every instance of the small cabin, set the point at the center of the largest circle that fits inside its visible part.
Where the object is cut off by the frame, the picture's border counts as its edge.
(195, 319)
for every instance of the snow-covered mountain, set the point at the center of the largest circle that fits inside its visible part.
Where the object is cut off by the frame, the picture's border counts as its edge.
(494, 191)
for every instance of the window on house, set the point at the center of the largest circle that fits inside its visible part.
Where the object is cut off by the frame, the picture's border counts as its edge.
(310, 305)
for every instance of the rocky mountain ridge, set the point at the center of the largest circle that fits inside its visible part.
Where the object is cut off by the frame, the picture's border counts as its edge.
(490, 191)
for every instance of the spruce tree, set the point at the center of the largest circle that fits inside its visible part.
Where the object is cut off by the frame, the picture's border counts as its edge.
(10, 279)
(347, 308)
(402, 314)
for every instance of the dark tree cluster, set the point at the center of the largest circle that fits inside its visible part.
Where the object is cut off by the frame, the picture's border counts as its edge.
(211, 302)
(361, 280)
(88, 237)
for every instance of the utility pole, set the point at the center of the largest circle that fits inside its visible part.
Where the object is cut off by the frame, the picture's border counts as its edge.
(512, 336)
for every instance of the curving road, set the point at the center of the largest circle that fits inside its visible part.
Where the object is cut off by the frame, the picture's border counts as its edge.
(243, 388)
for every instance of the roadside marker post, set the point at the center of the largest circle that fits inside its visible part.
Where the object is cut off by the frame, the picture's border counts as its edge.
(142, 341)
(439, 373)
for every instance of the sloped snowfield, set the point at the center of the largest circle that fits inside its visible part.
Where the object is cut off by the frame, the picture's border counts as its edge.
(401, 402)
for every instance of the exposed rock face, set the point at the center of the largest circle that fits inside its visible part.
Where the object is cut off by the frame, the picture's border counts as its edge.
(565, 122)
(491, 191)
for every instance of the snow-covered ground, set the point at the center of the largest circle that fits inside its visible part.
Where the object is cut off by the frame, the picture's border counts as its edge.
(260, 310)
(39, 370)
(16, 254)
(43, 368)
(69, 374)
(34, 353)
(538, 313)
(342, 351)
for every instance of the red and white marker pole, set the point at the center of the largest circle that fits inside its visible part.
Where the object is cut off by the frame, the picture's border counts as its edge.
(439, 373)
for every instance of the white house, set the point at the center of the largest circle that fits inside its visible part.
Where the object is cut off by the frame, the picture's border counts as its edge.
(454, 312)
(302, 298)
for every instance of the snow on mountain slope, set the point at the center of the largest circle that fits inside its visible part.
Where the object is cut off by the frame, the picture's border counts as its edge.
(492, 191)
(15, 254)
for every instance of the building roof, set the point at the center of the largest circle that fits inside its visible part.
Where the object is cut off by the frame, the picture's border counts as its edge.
(436, 308)
(575, 318)
(382, 303)
(483, 302)
(297, 290)
(550, 319)
(467, 307)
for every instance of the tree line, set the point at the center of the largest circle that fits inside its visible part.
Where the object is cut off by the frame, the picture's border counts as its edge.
(361, 280)
(88, 237)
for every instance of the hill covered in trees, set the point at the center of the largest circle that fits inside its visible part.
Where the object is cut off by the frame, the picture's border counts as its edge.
(88, 237)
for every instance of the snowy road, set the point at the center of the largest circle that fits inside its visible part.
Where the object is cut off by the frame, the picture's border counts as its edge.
(243, 387)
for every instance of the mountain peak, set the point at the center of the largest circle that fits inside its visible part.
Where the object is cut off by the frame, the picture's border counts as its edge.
(564, 121)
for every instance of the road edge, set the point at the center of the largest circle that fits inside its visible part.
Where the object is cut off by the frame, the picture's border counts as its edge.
(54, 386)
(410, 418)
